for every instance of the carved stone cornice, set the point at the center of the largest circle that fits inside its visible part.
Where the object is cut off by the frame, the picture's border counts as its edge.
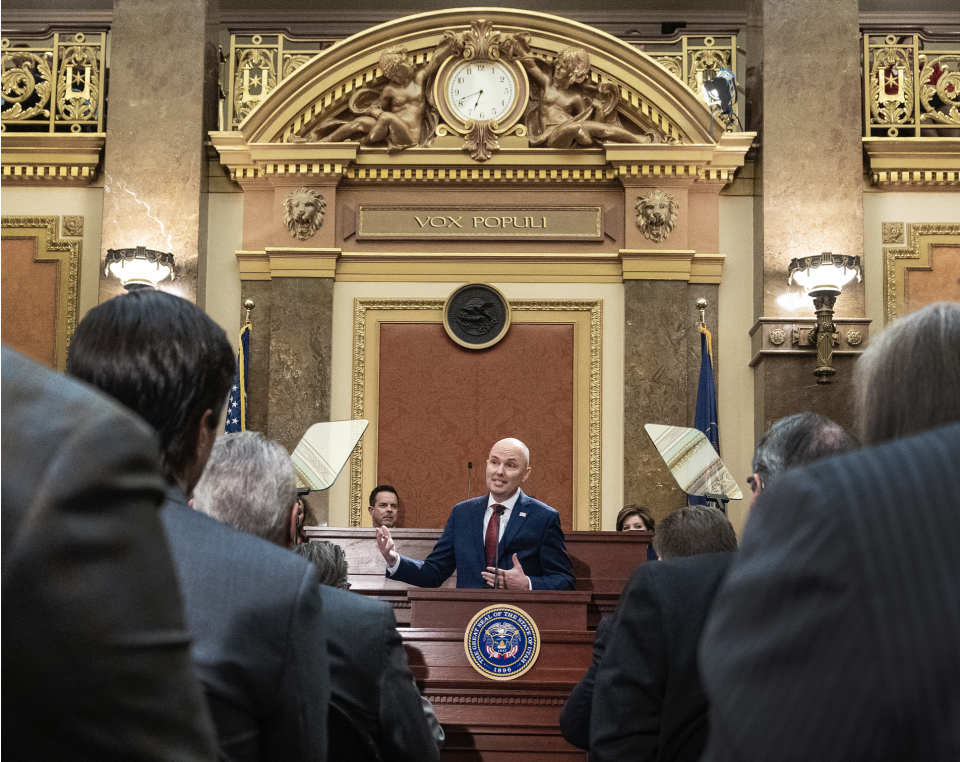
(266, 164)
(777, 336)
(909, 163)
(51, 159)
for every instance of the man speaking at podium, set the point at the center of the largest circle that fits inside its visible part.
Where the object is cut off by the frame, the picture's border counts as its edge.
(530, 554)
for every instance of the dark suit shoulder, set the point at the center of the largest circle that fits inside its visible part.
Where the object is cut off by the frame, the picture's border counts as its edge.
(344, 608)
(30, 390)
(206, 542)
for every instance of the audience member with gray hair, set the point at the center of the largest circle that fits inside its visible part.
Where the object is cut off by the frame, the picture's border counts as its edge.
(330, 560)
(908, 379)
(247, 478)
(795, 441)
(648, 693)
(250, 483)
(835, 635)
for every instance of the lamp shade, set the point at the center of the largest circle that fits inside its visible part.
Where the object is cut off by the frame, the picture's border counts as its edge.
(824, 272)
(139, 267)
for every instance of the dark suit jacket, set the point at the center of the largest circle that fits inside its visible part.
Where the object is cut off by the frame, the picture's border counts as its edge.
(371, 678)
(837, 633)
(533, 533)
(96, 661)
(254, 613)
(575, 716)
(648, 703)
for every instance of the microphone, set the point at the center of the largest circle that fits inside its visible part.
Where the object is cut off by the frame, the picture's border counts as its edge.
(496, 556)
(469, 472)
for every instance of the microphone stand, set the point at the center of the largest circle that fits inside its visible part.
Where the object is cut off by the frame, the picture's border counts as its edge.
(496, 557)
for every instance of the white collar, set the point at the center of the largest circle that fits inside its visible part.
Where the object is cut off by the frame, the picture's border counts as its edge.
(508, 503)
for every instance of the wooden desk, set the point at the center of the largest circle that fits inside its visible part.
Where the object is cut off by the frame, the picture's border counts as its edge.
(602, 563)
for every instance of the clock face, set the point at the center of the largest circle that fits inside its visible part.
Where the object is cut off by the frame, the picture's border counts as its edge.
(481, 90)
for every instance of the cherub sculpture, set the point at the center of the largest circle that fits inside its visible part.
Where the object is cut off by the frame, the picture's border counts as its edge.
(399, 113)
(571, 110)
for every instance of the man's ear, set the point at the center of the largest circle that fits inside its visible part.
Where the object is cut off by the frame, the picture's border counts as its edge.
(203, 438)
(756, 487)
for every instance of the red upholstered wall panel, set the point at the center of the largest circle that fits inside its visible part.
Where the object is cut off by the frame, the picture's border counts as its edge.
(29, 297)
(442, 405)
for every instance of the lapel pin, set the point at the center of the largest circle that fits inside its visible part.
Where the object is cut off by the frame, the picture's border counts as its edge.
(522, 513)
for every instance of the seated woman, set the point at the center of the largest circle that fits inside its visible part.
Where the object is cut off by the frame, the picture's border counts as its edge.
(637, 518)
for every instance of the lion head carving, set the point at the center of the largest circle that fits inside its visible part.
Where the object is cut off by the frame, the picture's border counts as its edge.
(656, 215)
(303, 213)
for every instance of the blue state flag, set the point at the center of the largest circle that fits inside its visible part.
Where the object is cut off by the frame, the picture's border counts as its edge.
(706, 417)
(237, 402)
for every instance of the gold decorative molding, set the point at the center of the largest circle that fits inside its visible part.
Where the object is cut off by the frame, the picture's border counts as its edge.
(502, 267)
(671, 264)
(261, 151)
(903, 163)
(51, 159)
(282, 262)
(67, 256)
(892, 232)
(588, 357)
(921, 237)
(72, 225)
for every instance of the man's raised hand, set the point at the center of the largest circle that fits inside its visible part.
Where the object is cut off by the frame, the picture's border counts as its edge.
(388, 548)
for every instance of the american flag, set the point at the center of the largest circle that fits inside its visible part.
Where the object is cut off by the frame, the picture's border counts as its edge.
(237, 402)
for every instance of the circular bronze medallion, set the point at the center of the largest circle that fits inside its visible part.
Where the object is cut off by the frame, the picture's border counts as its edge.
(476, 316)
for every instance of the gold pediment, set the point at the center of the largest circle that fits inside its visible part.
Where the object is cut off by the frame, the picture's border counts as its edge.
(326, 83)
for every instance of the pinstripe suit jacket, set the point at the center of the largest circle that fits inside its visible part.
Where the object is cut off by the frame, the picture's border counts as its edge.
(836, 635)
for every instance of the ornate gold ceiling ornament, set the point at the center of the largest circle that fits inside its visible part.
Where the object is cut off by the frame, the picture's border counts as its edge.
(621, 85)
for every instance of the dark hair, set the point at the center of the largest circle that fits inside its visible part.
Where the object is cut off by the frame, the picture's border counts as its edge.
(797, 440)
(636, 510)
(693, 530)
(163, 358)
(908, 379)
(378, 490)
(330, 561)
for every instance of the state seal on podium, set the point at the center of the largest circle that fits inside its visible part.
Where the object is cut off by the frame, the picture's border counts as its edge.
(502, 642)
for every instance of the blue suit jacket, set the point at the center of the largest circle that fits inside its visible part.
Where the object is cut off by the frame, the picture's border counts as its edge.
(533, 533)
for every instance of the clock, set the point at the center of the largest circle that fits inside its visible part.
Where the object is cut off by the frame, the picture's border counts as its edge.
(481, 90)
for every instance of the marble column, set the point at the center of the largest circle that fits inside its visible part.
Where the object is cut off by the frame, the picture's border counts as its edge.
(163, 100)
(301, 340)
(661, 367)
(804, 100)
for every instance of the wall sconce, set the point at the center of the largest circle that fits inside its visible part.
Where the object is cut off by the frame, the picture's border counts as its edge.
(823, 276)
(139, 267)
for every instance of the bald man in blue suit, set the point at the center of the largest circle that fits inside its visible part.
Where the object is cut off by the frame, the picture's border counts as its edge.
(531, 551)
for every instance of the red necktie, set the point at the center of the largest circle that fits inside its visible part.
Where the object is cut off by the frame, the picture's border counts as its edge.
(493, 534)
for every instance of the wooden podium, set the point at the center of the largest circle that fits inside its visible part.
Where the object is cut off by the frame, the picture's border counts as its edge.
(485, 719)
